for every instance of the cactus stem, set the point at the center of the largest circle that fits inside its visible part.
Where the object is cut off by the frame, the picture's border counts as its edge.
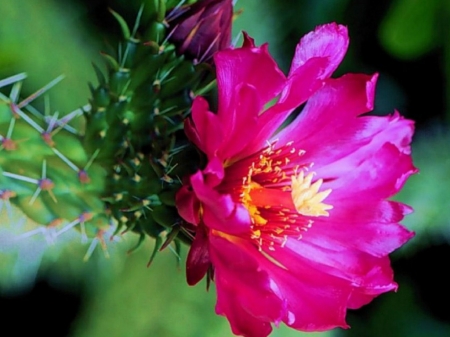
(12, 79)
(66, 160)
(16, 111)
(38, 93)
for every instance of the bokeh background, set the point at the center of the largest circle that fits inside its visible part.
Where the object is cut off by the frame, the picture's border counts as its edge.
(50, 288)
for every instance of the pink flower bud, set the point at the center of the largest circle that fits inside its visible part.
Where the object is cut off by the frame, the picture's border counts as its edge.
(201, 29)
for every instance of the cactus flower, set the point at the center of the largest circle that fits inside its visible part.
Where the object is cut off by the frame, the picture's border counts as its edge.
(294, 226)
(201, 29)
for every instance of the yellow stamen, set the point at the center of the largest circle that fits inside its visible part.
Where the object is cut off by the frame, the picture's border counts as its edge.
(306, 196)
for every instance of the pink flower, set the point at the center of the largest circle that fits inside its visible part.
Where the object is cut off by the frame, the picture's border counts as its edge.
(295, 225)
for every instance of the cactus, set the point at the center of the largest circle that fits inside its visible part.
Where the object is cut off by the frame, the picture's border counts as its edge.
(121, 170)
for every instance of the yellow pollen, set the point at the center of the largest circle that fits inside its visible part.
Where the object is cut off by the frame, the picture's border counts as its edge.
(257, 219)
(306, 196)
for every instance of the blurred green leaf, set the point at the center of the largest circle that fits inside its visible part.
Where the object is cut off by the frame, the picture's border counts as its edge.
(409, 29)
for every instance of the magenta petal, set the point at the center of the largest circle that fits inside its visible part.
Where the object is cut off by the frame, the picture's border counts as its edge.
(188, 205)
(368, 227)
(198, 260)
(330, 40)
(220, 212)
(238, 119)
(337, 103)
(245, 293)
(239, 66)
(299, 87)
(380, 176)
(205, 131)
(316, 301)
(377, 281)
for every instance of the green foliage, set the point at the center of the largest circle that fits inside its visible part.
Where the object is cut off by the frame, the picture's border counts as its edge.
(409, 29)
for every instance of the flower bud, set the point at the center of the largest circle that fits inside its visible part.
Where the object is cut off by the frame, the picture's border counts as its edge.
(201, 29)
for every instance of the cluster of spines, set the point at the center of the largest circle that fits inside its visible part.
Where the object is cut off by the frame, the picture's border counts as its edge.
(44, 169)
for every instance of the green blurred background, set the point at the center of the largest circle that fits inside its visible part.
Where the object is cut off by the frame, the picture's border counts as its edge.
(50, 288)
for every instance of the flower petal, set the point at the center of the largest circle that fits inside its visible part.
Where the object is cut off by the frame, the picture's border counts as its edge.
(243, 65)
(188, 205)
(205, 129)
(244, 290)
(329, 117)
(330, 40)
(220, 212)
(198, 260)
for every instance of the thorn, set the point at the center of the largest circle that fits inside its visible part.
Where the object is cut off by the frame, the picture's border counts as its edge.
(138, 20)
(12, 79)
(15, 109)
(86, 216)
(158, 244)
(20, 177)
(138, 244)
(172, 235)
(66, 160)
(91, 160)
(15, 92)
(40, 91)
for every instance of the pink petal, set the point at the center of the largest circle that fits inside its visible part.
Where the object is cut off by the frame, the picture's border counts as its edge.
(243, 65)
(330, 114)
(330, 40)
(205, 129)
(377, 281)
(316, 301)
(198, 260)
(188, 205)
(349, 265)
(374, 132)
(379, 176)
(239, 123)
(244, 290)
(299, 87)
(372, 238)
(220, 212)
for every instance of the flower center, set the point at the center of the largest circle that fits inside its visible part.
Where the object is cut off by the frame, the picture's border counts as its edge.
(280, 197)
